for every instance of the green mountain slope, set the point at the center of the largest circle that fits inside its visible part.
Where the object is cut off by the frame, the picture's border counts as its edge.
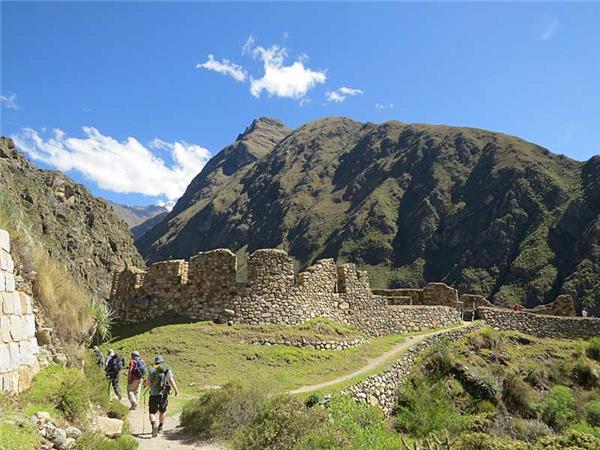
(486, 212)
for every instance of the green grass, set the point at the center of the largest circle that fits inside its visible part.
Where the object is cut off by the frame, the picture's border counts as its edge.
(204, 353)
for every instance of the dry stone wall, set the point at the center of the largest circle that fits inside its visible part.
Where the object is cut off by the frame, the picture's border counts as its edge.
(205, 288)
(381, 389)
(541, 325)
(18, 344)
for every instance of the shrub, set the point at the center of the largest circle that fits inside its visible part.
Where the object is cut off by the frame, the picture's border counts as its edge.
(117, 410)
(530, 430)
(558, 408)
(424, 409)
(575, 440)
(66, 390)
(593, 349)
(483, 441)
(518, 396)
(586, 428)
(312, 400)
(584, 375)
(592, 413)
(351, 425)
(104, 318)
(279, 424)
(438, 361)
(95, 441)
(221, 412)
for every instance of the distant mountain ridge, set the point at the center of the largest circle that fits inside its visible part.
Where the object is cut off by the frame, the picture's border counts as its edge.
(136, 215)
(486, 212)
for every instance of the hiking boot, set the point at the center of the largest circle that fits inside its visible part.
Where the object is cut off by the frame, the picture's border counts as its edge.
(132, 407)
(160, 428)
(154, 430)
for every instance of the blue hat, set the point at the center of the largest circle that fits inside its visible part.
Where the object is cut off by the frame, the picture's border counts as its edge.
(159, 359)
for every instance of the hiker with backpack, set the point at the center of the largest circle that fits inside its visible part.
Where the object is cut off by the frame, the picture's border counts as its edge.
(113, 368)
(160, 380)
(135, 377)
(99, 357)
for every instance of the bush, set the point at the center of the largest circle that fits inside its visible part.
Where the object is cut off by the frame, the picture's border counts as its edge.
(424, 409)
(530, 430)
(586, 428)
(518, 396)
(95, 441)
(351, 425)
(575, 440)
(66, 390)
(583, 373)
(221, 412)
(483, 441)
(438, 361)
(312, 400)
(591, 412)
(558, 408)
(279, 424)
(593, 349)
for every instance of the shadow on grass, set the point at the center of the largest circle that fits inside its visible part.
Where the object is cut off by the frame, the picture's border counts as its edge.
(125, 330)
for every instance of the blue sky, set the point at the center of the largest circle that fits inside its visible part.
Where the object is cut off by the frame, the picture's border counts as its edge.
(126, 99)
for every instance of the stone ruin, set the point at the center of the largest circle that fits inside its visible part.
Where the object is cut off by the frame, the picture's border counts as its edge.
(205, 288)
(18, 344)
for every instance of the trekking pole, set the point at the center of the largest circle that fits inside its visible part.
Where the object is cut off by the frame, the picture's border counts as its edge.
(144, 411)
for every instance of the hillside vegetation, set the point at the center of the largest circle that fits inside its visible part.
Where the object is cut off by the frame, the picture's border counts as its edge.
(488, 391)
(66, 245)
(486, 212)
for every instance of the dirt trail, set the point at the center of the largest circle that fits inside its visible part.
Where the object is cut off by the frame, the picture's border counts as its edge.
(171, 438)
(374, 362)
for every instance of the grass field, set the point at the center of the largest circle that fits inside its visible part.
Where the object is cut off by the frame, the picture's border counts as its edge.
(205, 354)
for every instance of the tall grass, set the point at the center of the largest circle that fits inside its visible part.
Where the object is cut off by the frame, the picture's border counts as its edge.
(67, 305)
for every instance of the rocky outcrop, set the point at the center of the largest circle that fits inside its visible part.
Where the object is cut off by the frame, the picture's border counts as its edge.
(77, 229)
(18, 344)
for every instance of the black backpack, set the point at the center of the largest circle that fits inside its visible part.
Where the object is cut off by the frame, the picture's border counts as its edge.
(115, 364)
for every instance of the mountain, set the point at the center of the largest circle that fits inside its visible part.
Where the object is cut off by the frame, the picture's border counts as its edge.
(136, 215)
(79, 231)
(140, 229)
(486, 212)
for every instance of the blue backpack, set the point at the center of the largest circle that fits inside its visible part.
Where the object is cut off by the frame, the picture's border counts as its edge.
(139, 370)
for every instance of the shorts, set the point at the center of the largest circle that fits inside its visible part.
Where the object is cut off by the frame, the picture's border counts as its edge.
(158, 403)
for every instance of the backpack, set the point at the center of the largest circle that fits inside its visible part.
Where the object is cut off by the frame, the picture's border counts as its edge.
(115, 364)
(139, 369)
(160, 380)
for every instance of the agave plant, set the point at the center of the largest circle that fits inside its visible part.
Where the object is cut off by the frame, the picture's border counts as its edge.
(104, 317)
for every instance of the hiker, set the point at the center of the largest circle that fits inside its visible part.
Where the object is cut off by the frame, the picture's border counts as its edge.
(99, 356)
(161, 380)
(113, 368)
(135, 377)
(109, 355)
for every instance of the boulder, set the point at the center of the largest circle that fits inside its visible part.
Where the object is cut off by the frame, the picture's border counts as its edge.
(109, 427)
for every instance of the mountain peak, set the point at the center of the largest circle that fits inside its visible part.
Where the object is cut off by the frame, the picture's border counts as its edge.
(264, 125)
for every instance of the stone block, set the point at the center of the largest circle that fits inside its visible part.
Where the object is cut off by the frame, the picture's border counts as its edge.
(3, 260)
(5, 329)
(4, 240)
(109, 427)
(18, 328)
(26, 374)
(11, 303)
(29, 325)
(26, 353)
(5, 361)
(25, 300)
(15, 355)
(9, 282)
(2, 281)
(9, 382)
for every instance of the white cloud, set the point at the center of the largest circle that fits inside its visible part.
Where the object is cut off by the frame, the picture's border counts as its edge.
(9, 101)
(224, 67)
(248, 45)
(292, 81)
(339, 95)
(381, 106)
(550, 30)
(305, 101)
(124, 167)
